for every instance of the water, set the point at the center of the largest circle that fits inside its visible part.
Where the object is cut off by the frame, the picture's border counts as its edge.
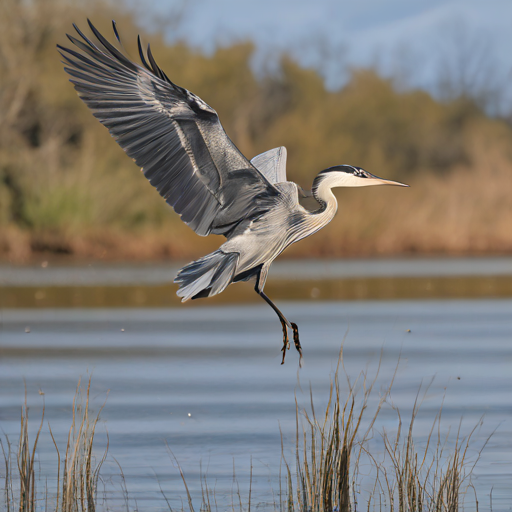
(101, 274)
(102, 285)
(206, 383)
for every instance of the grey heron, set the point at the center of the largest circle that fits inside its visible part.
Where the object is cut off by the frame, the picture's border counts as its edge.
(184, 152)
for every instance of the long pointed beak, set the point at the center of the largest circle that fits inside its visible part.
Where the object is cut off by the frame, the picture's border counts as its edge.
(389, 182)
(375, 180)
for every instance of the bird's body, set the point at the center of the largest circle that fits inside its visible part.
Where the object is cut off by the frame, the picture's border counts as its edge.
(260, 241)
(178, 141)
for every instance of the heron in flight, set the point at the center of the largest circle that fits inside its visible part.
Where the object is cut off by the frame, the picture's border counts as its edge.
(184, 152)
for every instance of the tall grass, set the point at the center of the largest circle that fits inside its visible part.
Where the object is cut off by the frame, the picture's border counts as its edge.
(334, 469)
(77, 472)
(25, 497)
(434, 478)
(331, 450)
(325, 448)
(80, 474)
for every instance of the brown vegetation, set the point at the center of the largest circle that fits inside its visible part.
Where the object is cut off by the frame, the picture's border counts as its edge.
(67, 190)
(77, 473)
(336, 471)
(333, 471)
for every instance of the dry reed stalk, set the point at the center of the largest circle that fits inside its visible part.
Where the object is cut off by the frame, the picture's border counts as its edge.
(189, 496)
(328, 454)
(76, 486)
(325, 448)
(208, 495)
(427, 479)
(25, 476)
(80, 474)
(8, 495)
(27, 500)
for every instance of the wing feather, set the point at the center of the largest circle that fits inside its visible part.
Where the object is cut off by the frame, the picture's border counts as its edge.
(172, 134)
(272, 164)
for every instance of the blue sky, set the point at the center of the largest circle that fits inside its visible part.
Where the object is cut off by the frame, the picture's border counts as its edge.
(411, 38)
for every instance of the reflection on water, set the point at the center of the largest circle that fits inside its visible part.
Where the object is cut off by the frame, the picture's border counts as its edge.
(207, 381)
(373, 288)
(151, 285)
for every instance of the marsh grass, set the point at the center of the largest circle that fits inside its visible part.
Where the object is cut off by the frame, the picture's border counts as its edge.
(77, 471)
(336, 466)
(326, 445)
(332, 448)
(433, 478)
(80, 474)
(23, 495)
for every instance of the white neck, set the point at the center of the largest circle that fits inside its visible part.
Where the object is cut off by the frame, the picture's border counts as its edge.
(323, 191)
(323, 194)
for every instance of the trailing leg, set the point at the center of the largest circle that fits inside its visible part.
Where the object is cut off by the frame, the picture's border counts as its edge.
(296, 341)
(284, 323)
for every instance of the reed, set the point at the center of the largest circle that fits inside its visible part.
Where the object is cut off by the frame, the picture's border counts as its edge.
(326, 447)
(20, 490)
(434, 478)
(326, 475)
(77, 472)
(79, 481)
(330, 451)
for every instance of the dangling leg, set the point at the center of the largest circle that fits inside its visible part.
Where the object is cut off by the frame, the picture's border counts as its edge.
(296, 341)
(284, 322)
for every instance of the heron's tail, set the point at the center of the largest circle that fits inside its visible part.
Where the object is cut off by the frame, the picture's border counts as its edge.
(207, 276)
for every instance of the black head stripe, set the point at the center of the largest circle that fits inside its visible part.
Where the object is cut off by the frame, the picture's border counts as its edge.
(349, 169)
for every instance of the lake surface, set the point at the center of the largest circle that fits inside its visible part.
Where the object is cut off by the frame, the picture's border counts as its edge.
(206, 383)
(150, 285)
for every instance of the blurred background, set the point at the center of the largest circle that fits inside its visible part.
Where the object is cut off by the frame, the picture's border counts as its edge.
(414, 92)
(417, 279)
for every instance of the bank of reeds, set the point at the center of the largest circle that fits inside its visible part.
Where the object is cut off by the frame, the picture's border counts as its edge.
(77, 472)
(334, 470)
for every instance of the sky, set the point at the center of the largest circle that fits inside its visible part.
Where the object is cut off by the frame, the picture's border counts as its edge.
(415, 40)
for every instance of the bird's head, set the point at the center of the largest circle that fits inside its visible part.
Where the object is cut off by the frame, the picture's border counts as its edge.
(350, 176)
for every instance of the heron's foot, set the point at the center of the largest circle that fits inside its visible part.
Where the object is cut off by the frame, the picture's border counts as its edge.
(286, 342)
(296, 341)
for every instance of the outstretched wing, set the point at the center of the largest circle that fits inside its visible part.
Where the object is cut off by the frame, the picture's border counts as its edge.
(172, 134)
(272, 164)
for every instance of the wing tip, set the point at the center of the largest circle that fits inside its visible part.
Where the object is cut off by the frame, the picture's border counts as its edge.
(114, 27)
